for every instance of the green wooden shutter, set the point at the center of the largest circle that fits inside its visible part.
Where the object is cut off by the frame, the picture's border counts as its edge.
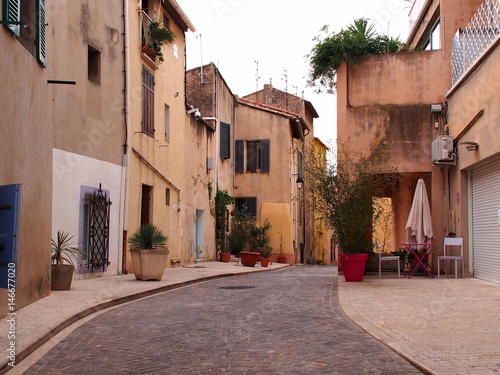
(40, 26)
(12, 12)
(239, 156)
(225, 141)
(265, 155)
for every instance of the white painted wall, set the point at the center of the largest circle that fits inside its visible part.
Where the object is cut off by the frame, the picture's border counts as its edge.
(72, 171)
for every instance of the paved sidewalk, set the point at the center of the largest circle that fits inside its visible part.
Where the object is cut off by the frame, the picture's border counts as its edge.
(445, 326)
(43, 319)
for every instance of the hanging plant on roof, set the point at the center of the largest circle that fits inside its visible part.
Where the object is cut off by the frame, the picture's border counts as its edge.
(359, 39)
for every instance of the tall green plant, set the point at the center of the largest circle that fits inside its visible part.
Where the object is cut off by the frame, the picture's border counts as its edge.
(343, 191)
(358, 39)
(222, 201)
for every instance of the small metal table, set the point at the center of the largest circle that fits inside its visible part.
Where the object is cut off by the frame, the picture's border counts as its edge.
(419, 256)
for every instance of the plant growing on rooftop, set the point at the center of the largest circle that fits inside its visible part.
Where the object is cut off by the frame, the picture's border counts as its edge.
(358, 39)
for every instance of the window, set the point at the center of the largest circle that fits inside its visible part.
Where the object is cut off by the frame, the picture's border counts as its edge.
(433, 40)
(146, 204)
(167, 197)
(26, 19)
(247, 205)
(95, 229)
(167, 123)
(225, 140)
(148, 96)
(94, 65)
(252, 156)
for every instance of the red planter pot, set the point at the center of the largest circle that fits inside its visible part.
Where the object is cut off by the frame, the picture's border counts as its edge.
(264, 262)
(281, 259)
(225, 257)
(353, 266)
(249, 259)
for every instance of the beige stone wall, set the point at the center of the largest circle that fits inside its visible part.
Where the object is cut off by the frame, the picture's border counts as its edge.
(389, 97)
(26, 154)
(474, 114)
(166, 156)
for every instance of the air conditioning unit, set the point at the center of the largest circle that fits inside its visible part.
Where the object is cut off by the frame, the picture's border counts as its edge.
(442, 149)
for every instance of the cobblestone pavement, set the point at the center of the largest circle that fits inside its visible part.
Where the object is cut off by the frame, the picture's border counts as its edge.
(283, 322)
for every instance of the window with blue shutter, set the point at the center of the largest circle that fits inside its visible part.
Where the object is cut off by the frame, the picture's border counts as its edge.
(225, 140)
(239, 149)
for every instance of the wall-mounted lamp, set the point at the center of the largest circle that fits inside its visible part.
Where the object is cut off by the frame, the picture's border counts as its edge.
(196, 111)
(299, 182)
(470, 146)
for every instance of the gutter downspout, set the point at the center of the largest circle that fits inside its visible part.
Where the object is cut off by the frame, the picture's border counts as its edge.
(126, 155)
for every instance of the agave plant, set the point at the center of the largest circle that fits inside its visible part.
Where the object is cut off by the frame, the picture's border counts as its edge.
(62, 250)
(148, 236)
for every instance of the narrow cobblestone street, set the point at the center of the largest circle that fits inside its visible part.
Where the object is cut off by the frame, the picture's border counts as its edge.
(283, 322)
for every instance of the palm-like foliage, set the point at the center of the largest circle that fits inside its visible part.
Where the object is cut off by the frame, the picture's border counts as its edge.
(359, 39)
(62, 251)
(148, 236)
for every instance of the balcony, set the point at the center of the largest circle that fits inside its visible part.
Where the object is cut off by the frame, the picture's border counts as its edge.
(477, 37)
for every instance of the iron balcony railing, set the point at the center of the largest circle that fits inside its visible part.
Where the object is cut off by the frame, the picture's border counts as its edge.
(471, 42)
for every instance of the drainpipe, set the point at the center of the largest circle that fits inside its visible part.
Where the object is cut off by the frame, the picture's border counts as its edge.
(126, 155)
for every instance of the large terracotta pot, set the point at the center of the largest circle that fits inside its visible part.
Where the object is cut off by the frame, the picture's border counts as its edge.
(281, 259)
(249, 259)
(353, 266)
(149, 264)
(61, 279)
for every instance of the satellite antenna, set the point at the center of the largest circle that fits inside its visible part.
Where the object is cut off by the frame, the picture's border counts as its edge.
(256, 75)
(201, 60)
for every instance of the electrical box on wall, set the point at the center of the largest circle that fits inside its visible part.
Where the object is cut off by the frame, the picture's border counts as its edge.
(210, 163)
(442, 149)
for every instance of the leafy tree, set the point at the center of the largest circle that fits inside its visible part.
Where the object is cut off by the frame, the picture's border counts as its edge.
(359, 39)
(343, 191)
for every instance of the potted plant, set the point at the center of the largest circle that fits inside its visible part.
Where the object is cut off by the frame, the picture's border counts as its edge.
(64, 258)
(259, 238)
(281, 257)
(344, 193)
(219, 211)
(148, 247)
(156, 37)
(265, 252)
(239, 239)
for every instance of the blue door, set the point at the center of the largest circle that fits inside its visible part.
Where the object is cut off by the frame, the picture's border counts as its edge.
(9, 232)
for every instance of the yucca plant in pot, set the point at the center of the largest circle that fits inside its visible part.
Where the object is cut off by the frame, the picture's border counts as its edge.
(64, 257)
(149, 250)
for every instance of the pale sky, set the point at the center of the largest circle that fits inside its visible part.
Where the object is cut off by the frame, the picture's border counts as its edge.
(236, 34)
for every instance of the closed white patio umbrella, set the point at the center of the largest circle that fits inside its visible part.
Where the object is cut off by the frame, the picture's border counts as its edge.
(419, 224)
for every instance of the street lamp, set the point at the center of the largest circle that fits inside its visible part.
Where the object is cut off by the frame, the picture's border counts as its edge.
(299, 182)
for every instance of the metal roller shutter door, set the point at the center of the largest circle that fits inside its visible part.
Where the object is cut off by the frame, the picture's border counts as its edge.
(485, 221)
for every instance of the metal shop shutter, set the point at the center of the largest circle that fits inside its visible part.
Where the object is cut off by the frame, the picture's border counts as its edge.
(485, 221)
